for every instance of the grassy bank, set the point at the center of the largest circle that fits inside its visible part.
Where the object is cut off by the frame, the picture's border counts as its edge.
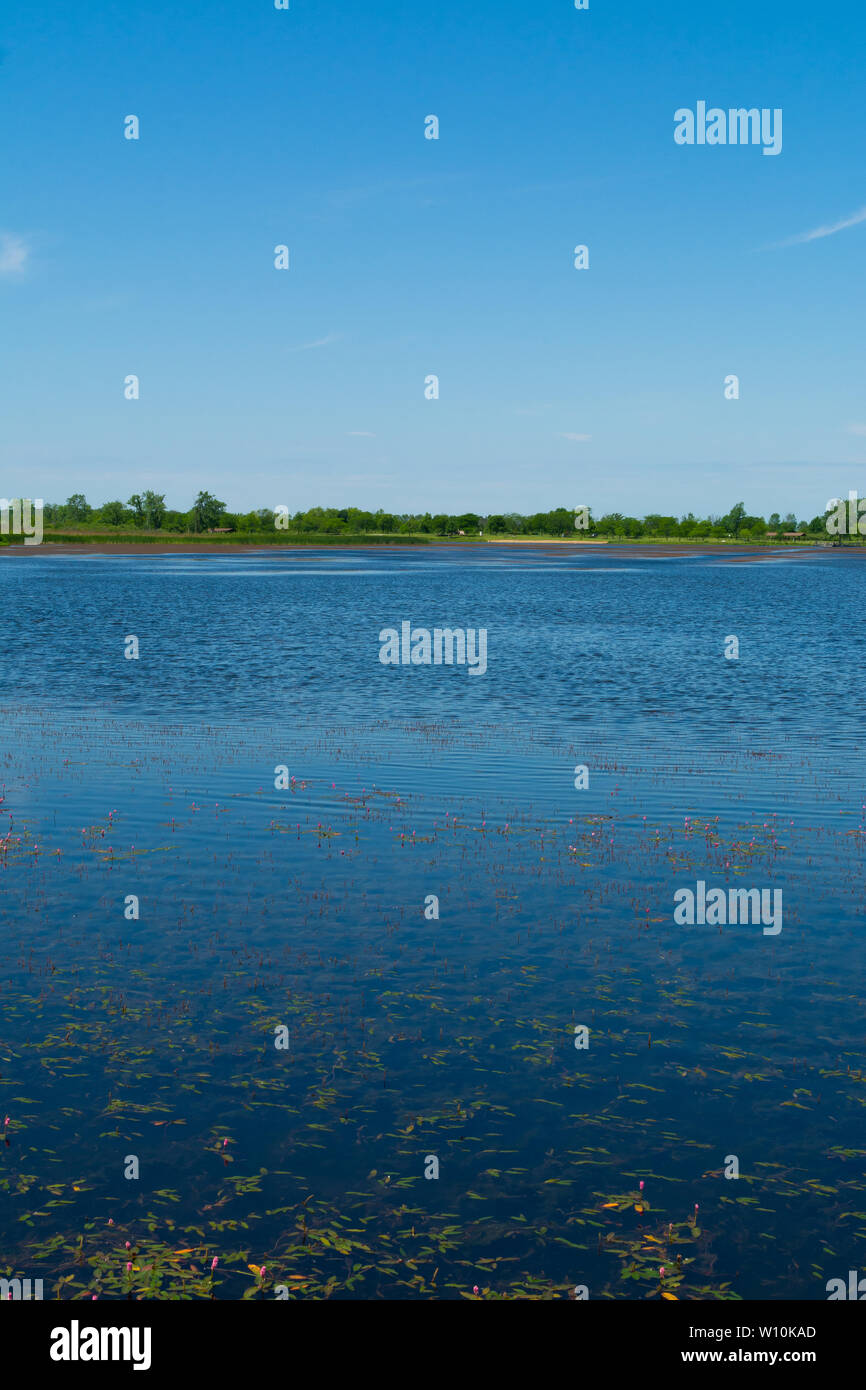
(125, 536)
(107, 536)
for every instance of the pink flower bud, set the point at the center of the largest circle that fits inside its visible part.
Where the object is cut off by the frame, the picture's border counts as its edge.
(661, 1271)
(475, 1288)
(213, 1264)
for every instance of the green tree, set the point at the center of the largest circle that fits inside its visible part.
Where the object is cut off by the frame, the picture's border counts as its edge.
(560, 522)
(656, 525)
(113, 513)
(734, 520)
(77, 508)
(207, 512)
(153, 507)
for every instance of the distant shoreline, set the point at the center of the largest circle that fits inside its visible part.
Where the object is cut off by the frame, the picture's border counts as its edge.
(732, 550)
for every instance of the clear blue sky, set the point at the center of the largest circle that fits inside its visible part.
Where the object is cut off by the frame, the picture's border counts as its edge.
(411, 257)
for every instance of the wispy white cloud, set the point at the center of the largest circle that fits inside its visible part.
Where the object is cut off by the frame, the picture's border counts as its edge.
(361, 434)
(319, 342)
(14, 254)
(829, 229)
(577, 438)
(857, 429)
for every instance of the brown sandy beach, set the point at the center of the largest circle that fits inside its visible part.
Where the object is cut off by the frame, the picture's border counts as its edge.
(178, 548)
(548, 546)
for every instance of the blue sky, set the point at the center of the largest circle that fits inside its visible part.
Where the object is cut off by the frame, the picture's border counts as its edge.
(412, 257)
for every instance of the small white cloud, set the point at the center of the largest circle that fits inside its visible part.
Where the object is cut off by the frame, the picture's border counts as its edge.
(319, 342)
(361, 434)
(577, 438)
(14, 254)
(829, 229)
(857, 429)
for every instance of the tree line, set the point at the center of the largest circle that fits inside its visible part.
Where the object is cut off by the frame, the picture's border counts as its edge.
(147, 510)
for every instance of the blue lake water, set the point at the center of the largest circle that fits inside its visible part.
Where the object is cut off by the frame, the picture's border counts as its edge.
(414, 1038)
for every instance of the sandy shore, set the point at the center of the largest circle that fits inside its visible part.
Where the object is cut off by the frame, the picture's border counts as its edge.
(552, 546)
(541, 540)
(179, 548)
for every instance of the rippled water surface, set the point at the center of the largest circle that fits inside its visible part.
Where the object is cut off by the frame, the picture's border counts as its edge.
(410, 1037)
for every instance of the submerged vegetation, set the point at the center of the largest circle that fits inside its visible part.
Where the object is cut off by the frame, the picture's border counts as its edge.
(302, 1173)
(235, 1031)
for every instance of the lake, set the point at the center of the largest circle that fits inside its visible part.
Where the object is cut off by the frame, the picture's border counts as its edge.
(344, 971)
